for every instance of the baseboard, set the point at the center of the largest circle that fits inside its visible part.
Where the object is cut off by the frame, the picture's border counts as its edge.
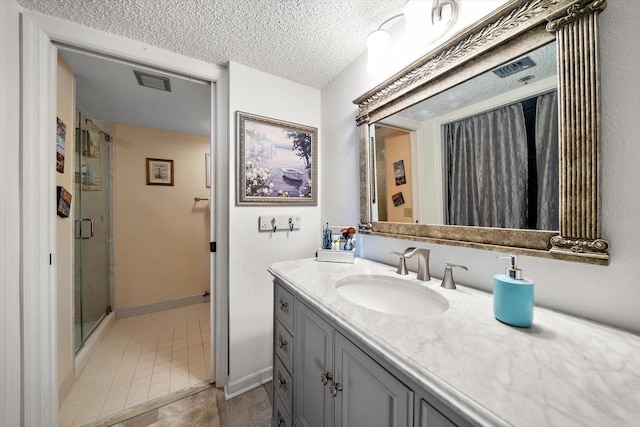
(90, 346)
(160, 306)
(243, 385)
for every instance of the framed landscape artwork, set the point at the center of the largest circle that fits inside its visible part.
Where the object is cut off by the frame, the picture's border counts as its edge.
(277, 162)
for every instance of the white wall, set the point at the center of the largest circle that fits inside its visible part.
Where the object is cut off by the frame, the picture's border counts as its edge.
(606, 294)
(251, 251)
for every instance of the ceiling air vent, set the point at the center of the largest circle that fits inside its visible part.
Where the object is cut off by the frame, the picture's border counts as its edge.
(514, 67)
(153, 81)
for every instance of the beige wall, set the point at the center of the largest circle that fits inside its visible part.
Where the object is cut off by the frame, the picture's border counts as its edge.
(398, 147)
(64, 226)
(161, 237)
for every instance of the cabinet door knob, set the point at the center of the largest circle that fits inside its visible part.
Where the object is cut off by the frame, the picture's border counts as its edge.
(280, 421)
(326, 377)
(282, 344)
(281, 383)
(334, 388)
(284, 305)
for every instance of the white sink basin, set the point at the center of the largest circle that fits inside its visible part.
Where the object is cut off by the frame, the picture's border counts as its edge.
(391, 295)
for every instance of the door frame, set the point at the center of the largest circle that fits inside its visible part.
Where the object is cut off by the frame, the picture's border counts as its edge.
(10, 217)
(39, 327)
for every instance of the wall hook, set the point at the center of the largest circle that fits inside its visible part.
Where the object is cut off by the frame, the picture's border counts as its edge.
(273, 223)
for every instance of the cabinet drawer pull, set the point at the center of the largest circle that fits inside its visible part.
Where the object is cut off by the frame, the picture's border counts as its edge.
(334, 388)
(281, 383)
(284, 306)
(282, 344)
(280, 421)
(326, 377)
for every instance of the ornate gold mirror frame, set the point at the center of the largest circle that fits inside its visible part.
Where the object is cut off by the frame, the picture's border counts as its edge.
(517, 27)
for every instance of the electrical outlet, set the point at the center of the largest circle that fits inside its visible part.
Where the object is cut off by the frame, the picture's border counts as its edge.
(408, 212)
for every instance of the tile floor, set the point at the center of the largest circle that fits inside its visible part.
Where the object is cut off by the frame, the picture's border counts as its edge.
(252, 408)
(140, 359)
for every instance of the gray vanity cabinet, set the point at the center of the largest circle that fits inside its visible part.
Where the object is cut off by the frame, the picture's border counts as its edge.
(431, 417)
(313, 406)
(369, 395)
(337, 384)
(330, 381)
(284, 347)
(322, 379)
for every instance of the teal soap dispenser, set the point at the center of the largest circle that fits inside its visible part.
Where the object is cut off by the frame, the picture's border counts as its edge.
(513, 296)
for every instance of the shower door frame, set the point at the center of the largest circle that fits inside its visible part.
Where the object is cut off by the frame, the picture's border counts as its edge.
(39, 397)
(80, 238)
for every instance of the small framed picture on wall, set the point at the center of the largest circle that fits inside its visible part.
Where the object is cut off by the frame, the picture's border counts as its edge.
(398, 199)
(64, 202)
(398, 172)
(61, 134)
(159, 172)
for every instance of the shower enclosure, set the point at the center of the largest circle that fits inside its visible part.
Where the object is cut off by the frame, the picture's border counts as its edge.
(93, 228)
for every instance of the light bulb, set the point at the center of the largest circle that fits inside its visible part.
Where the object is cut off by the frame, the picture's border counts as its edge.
(377, 50)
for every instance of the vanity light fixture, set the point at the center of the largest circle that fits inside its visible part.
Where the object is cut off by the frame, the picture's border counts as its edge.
(378, 46)
(426, 23)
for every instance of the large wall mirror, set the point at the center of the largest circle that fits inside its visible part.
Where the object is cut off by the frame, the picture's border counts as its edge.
(492, 141)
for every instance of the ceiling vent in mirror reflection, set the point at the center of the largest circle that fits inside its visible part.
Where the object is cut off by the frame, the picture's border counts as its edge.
(153, 81)
(514, 67)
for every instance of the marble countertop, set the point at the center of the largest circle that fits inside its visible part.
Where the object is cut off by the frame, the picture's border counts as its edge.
(563, 371)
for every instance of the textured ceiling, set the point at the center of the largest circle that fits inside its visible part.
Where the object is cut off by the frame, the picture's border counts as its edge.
(306, 41)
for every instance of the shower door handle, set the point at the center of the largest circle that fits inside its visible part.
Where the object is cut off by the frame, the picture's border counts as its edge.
(79, 222)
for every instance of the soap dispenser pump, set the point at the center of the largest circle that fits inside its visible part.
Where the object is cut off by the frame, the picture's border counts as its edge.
(513, 296)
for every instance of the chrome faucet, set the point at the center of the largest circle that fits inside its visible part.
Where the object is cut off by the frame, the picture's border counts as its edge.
(423, 262)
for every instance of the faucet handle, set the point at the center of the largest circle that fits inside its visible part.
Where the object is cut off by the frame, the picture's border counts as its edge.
(402, 264)
(409, 252)
(447, 281)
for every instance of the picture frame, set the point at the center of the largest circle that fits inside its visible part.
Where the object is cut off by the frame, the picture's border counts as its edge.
(276, 162)
(63, 205)
(159, 172)
(398, 199)
(398, 172)
(61, 135)
(207, 169)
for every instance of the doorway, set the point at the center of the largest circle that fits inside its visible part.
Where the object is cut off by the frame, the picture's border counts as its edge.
(141, 238)
(39, 34)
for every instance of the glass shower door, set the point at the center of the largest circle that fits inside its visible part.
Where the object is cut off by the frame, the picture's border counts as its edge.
(92, 249)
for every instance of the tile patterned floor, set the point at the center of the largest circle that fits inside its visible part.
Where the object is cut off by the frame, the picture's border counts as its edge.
(140, 359)
(252, 408)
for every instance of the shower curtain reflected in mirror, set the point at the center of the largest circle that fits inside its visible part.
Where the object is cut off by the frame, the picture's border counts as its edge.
(93, 234)
(502, 167)
(487, 168)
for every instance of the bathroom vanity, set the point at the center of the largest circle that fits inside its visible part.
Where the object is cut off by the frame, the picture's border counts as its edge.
(337, 362)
